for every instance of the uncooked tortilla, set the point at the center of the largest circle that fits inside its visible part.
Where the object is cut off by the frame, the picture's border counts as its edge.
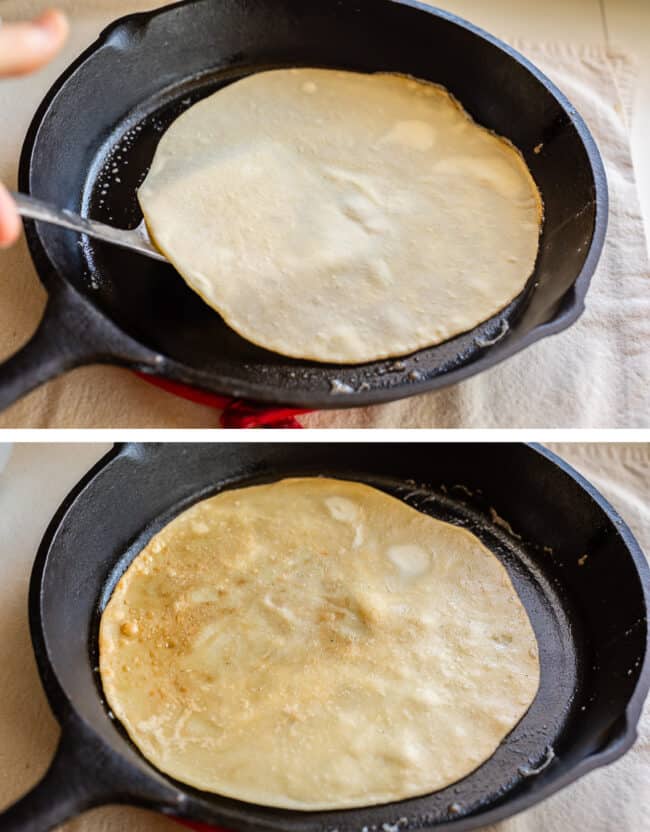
(316, 644)
(342, 217)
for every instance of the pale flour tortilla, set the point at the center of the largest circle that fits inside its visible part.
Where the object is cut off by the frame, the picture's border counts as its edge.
(342, 217)
(316, 644)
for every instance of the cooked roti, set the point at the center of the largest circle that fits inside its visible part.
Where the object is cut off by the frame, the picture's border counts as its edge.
(342, 217)
(316, 644)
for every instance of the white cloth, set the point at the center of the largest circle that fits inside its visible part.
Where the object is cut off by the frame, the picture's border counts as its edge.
(597, 374)
(612, 799)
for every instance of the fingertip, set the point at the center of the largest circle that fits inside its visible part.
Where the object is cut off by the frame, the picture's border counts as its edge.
(10, 224)
(55, 23)
(8, 236)
(27, 46)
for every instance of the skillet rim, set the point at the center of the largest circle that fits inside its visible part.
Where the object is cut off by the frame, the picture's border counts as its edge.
(67, 715)
(140, 357)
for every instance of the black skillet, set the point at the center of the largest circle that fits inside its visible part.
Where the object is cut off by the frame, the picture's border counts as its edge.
(93, 137)
(576, 566)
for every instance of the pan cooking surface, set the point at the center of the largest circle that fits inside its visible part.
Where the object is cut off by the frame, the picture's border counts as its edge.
(154, 303)
(532, 743)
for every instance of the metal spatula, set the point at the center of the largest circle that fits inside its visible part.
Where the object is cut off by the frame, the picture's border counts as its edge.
(137, 239)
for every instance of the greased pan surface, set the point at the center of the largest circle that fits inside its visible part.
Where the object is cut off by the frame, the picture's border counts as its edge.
(93, 138)
(536, 514)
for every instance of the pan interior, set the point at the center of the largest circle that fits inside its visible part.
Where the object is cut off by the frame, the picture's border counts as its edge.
(532, 743)
(154, 304)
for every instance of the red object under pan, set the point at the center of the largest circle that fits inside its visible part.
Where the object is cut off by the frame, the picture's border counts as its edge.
(235, 413)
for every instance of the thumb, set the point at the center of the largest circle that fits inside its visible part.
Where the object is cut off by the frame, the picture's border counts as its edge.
(26, 46)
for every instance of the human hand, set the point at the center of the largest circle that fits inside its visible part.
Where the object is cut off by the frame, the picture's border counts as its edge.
(25, 47)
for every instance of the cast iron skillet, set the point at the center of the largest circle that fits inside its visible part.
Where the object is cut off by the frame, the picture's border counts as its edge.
(92, 139)
(590, 620)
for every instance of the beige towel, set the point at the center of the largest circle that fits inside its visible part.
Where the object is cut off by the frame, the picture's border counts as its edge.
(595, 375)
(613, 799)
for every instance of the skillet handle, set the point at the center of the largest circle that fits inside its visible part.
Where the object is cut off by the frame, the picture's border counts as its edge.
(68, 787)
(49, 352)
(71, 333)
